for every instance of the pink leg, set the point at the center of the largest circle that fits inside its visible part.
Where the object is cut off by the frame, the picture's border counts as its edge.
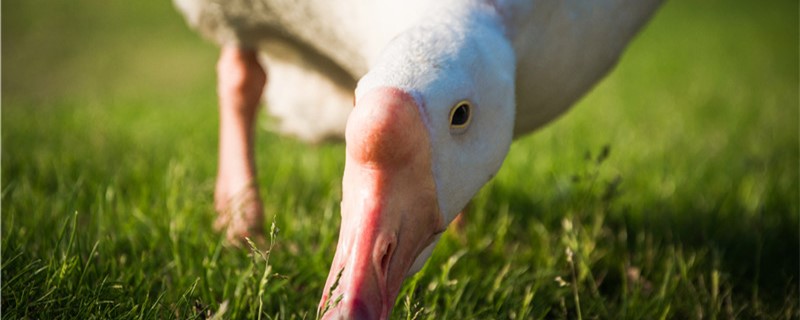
(241, 81)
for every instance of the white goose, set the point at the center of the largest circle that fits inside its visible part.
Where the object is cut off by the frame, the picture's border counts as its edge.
(441, 89)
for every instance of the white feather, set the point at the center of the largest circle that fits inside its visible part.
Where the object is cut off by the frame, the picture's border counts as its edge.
(562, 47)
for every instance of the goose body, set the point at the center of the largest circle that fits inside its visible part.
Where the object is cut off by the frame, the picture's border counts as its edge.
(562, 49)
(440, 90)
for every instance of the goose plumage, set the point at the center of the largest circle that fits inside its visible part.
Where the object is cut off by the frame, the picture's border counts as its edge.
(562, 47)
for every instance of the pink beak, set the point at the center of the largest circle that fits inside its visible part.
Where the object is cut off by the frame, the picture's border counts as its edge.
(390, 211)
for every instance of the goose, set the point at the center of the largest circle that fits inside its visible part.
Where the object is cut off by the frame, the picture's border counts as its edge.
(428, 95)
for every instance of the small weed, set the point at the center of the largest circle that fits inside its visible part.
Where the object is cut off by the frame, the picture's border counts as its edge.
(328, 305)
(264, 255)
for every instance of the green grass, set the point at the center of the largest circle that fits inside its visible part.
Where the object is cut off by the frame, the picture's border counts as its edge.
(674, 184)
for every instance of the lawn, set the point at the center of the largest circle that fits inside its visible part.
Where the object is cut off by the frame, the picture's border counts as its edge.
(669, 192)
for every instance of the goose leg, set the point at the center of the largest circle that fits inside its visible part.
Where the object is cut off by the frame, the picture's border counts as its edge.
(240, 83)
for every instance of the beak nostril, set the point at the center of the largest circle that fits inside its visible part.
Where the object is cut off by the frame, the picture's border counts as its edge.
(386, 257)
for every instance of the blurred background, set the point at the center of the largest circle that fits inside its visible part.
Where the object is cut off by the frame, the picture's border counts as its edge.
(109, 117)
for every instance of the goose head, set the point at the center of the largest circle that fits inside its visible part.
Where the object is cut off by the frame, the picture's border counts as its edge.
(432, 123)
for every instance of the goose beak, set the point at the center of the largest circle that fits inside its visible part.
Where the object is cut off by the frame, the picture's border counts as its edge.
(390, 211)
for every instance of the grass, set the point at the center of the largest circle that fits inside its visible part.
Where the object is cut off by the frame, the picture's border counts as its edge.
(669, 192)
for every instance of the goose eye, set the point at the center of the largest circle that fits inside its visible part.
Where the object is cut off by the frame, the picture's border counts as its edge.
(460, 116)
